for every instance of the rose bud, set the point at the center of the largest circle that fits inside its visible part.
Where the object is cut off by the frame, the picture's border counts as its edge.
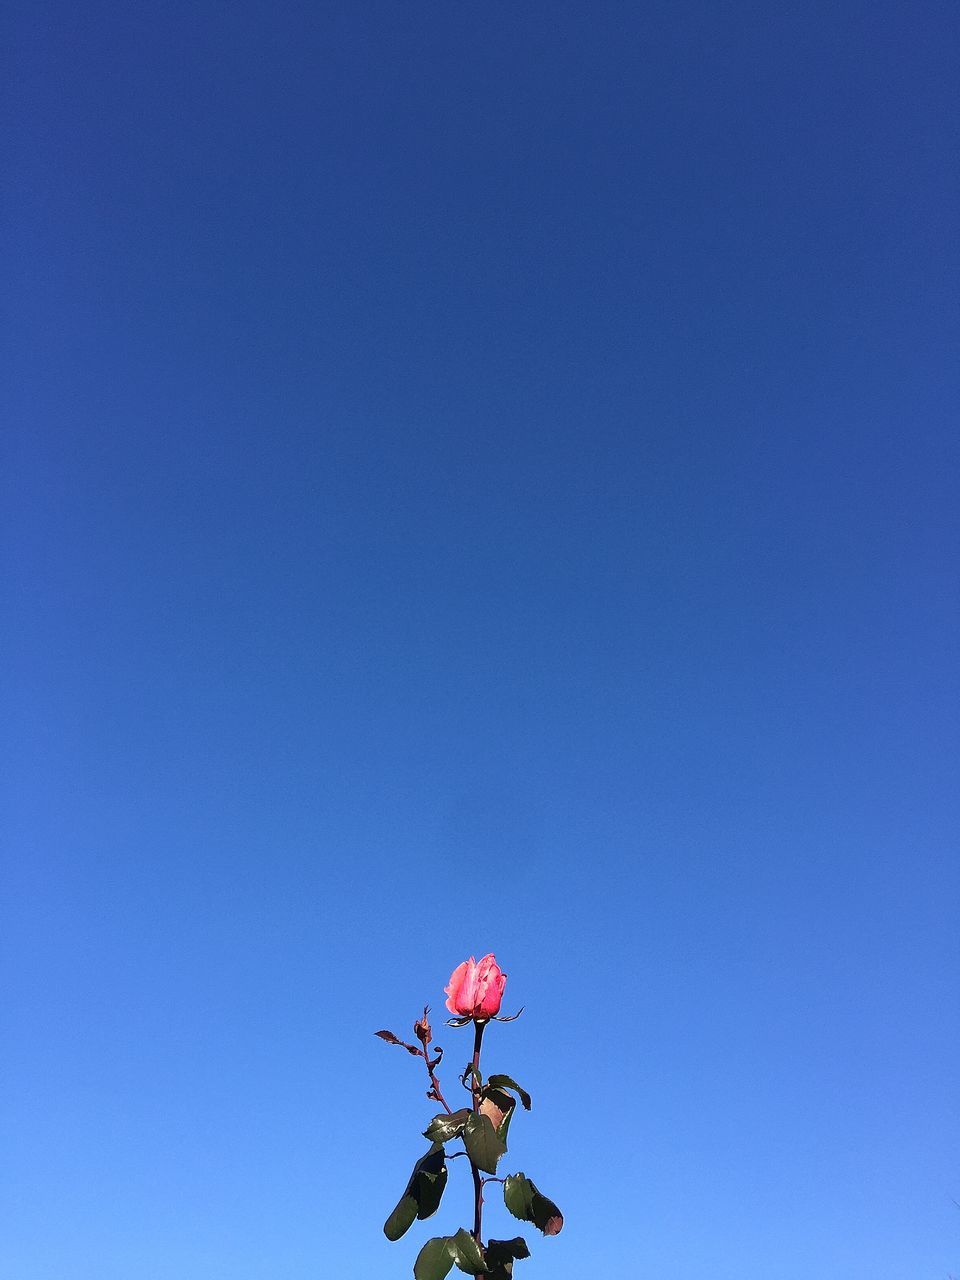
(475, 989)
(422, 1029)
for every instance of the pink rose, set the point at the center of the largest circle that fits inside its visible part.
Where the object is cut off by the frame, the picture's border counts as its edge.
(475, 990)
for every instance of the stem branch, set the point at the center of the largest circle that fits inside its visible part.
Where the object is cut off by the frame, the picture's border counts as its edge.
(423, 1034)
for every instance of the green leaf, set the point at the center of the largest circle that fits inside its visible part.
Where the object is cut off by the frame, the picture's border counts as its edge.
(504, 1082)
(428, 1192)
(500, 1255)
(402, 1218)
(499, 1106)
(500, 1250)
(435, 1259)
(422, 1195)
(467, 1253)
(517, 1196)
(483, 1146)
(546, 1216)
(525, 1200)
(444, 1127)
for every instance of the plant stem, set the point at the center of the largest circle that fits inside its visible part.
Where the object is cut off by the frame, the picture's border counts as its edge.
(423, 1032)
(436, 1084)
(477, 1182)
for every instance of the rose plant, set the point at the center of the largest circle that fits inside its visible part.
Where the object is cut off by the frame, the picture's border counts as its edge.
(474, 995)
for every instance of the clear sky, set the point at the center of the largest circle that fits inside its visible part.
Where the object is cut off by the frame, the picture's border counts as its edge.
(480, 477)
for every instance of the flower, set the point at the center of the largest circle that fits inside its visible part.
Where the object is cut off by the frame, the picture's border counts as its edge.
(476, 989)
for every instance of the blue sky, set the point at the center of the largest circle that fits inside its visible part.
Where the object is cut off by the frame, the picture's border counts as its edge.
(480, 478)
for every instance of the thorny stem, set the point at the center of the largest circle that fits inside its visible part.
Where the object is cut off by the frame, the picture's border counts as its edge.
(431, 1071)
(435, 1092)
(477, 1181)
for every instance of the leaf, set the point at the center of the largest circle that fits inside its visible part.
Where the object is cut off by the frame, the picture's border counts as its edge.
(422, 1195)
(458, 1022)
(435, 1259)
(429, 1192)
(443, 1128)
(546, 1216)
(499, 1106)
(500, 1270)
(505, 1082)
(517, 1196)
(500, 1250)
(526, 1201)
(402, 1218)
(392, 1039)
(467, 1253)
(483, 1146)
(500, 1255)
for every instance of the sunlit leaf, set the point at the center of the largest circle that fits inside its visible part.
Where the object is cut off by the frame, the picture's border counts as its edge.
(483, 1146)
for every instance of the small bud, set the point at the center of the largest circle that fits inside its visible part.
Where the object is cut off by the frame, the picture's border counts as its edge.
(422, 1029)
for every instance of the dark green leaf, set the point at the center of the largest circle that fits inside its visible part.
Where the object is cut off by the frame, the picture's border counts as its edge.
(428, 1192)
(467, 1254)
(500, 1270)
(546, 1216)
(402, 1217)
(444, 1127)
(500, 1255)
(517, 1196)
(499, 1106)
(435, 1259)
(483, 1146)
(422, 1194)
(498, 1250)
(525, 1201)
(504, 1082)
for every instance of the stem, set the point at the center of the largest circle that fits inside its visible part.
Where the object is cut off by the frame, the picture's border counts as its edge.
(421, 1029)
(435, 1083)
(477, 1181)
